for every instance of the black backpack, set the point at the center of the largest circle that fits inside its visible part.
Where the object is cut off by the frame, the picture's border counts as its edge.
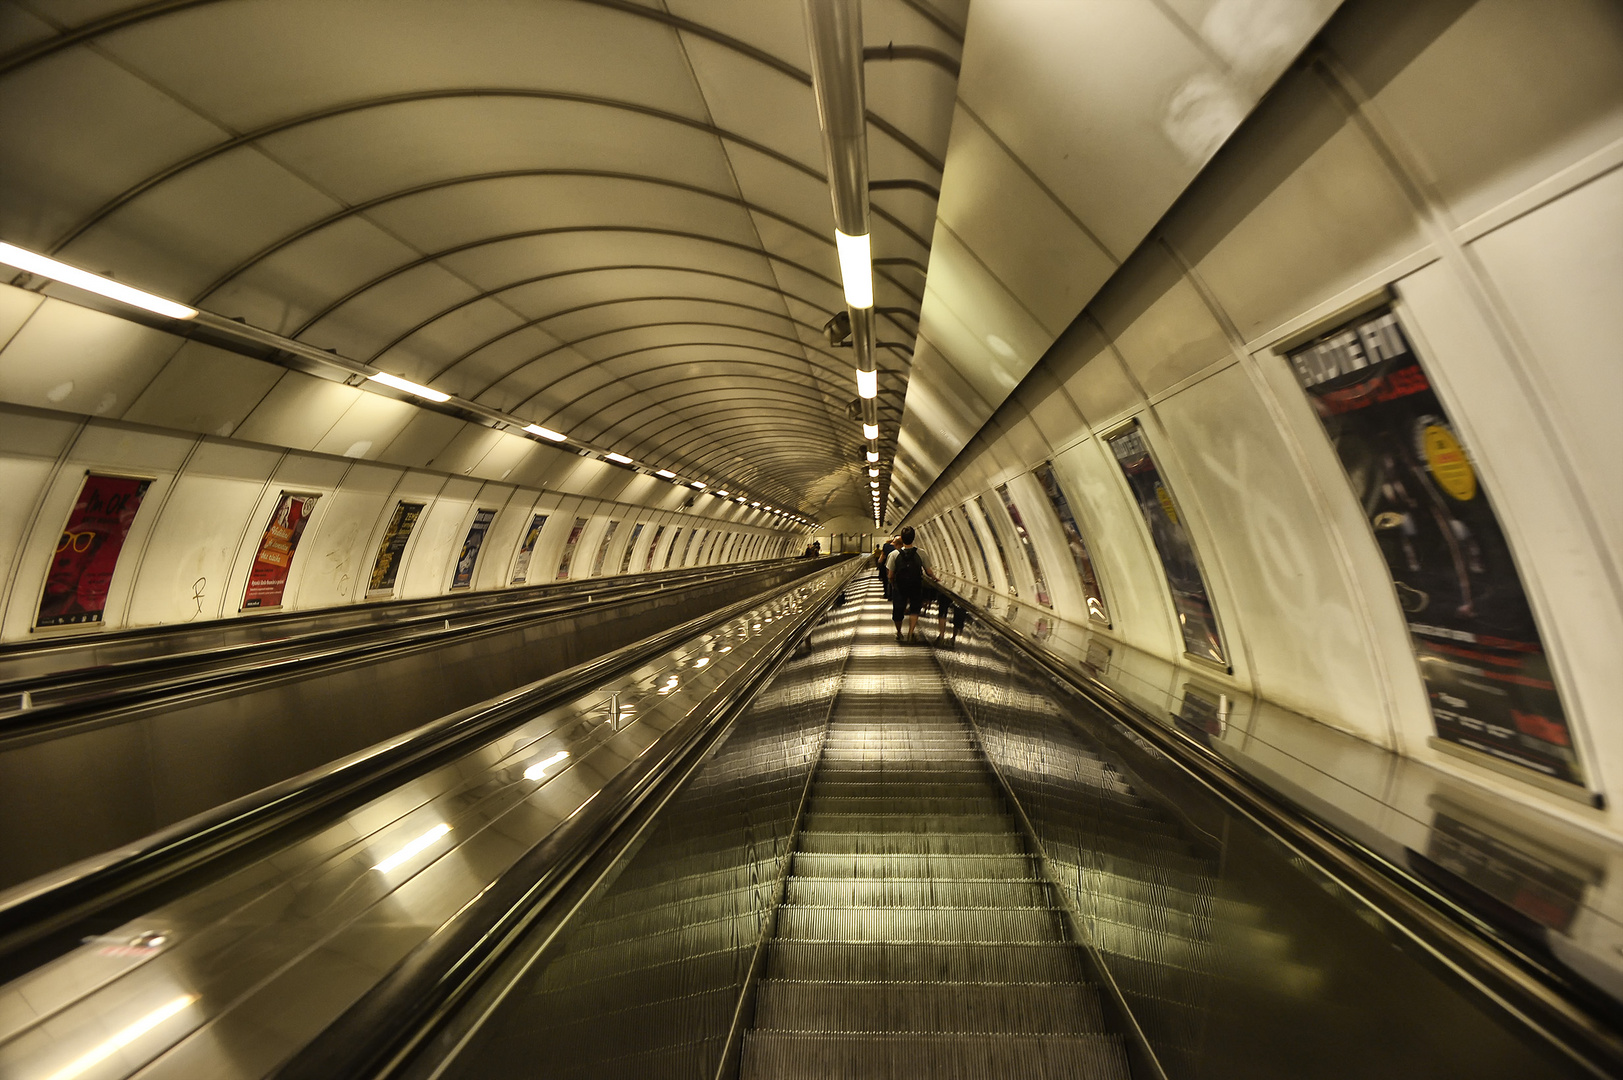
(909, 573)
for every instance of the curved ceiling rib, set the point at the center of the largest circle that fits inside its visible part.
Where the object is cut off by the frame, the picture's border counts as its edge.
(491, 293)
(166, 7)
(572, 342)
(511, 174)
(562, 230)
(638, 145)
(286, 124)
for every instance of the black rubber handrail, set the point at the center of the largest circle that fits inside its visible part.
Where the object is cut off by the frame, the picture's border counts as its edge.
(380, 1030)
(64, 897)
(352, 618)
(160, 681)
(1567, 1016)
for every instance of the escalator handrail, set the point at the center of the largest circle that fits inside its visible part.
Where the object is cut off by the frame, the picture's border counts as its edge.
(394, 613)
(1562, 1013)
(169, 679)
(37, 908)
(379, 1031)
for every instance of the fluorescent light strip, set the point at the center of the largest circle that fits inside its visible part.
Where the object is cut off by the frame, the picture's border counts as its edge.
(105, 1050)
(696, 484)
(539, 769)
(545, 433)
(870, 431)
(867, 383)
(856, 268)
(720, 494)
(408, 386)
(873, 455)
(666, 473)
(621, 458)
(44, 266)
(419, 844)
(873, 472)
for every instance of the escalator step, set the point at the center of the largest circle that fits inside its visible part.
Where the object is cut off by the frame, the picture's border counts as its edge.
(795, 1056)
(935, 962)
(863, 867)
(897, 1007)
(921, 924)
(898, 891)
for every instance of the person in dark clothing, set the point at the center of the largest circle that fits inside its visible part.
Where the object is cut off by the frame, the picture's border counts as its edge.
(884, 558)
(907, 568)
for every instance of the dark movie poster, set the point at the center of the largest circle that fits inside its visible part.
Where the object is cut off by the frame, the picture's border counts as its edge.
(1073, 538)
(1469, 621)
(526, 549)
(87, 553)
(1190, 600)
(267, 580)
(469, 556)
(387, 565)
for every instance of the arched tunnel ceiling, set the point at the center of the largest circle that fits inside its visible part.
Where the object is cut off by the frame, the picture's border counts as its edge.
(605, 217)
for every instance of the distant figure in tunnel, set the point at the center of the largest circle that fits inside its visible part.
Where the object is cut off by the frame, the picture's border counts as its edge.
(907, 568)
(882, 558)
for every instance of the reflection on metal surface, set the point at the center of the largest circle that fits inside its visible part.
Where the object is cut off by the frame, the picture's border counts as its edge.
(422, 843)
(1536, 882)
(539, 769)
(79, 1065)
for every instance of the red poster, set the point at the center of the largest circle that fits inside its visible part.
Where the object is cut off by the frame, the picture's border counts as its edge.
(268, 578)
(87, 553)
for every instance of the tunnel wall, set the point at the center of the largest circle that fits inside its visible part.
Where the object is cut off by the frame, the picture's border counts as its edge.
(195, 537)
(1462, 156)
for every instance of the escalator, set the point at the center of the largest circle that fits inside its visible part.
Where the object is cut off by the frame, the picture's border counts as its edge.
(896, 919)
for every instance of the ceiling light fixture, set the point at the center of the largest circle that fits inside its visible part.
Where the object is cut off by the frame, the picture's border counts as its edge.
(408, 386)
(544, 432)
(870, 431)
(666, 473)
(696, 484)
(719, 494)
(873, 455)
(44, 266)
(873, 472)
(621, 458)
(856, 268)
(867, 383)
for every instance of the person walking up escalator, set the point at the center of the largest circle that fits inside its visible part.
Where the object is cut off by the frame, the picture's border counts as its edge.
(907, 568)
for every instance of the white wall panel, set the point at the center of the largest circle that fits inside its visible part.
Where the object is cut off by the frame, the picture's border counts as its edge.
(186, 569)
(367, 427)
(78, 360)
(438, 539)
(336, 559)
(298, 411)
(204, 389)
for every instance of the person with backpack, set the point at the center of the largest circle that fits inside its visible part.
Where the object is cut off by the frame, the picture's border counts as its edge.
(907, 568)
(883, 557)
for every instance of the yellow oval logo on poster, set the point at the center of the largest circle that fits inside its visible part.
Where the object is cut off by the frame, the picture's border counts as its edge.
(1448, 463)
(1166, 503)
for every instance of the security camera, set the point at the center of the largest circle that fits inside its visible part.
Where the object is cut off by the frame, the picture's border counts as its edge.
(838, 329)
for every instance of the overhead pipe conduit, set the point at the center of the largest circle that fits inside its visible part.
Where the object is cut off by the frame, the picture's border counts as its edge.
(834, 33)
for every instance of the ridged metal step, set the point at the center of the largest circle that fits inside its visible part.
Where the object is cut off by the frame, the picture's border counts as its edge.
(1052, 961)
(798, 1056)
(936, 1007)
(898, 891)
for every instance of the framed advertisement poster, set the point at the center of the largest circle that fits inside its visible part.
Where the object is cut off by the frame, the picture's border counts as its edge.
(653, 548)
(631, 546)
(87, 553)
(1470, 625)
(1190, 600)
(603, 548)
(997, 541)
(1097, 611)
(569, 548)
(526, 550)
(462, 578)
(273, 561)
(1024, 537)
(386, 567)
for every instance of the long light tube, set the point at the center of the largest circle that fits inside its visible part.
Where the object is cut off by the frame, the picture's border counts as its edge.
(856, 268)
(870, 431)
(621, 458)
(545, 432)
(867, 383)
(408, 386)
(666, 473)
(45, 266)
(105, 1050)
(422, 842)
